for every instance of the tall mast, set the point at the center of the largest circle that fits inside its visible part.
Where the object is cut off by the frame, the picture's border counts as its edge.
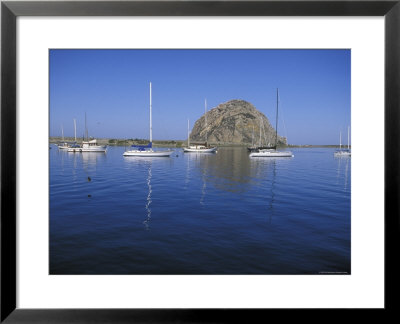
(62, 132)
(86, 131)
(259, 142)
(151, 128)
(205, 116)
(75, 128)
(252, 138)
(348, 137)
(188, 134)
(276, 128)
(340, 140)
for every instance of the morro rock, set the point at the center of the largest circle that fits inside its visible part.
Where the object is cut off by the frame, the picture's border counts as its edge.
(235, 122)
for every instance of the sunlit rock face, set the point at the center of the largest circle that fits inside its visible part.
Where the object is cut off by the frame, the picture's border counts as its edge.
(235, 122)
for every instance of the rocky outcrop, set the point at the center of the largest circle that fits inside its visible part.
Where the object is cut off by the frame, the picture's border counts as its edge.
(233, 122)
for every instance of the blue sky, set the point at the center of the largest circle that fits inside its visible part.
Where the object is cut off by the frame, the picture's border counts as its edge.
(112, 87)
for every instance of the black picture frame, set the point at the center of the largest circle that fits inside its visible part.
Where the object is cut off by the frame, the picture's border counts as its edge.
(10, 10)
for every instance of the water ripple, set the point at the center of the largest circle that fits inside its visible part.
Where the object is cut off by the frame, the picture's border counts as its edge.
(219, 213)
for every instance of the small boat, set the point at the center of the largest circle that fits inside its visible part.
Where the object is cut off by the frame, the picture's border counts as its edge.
(63, 145)
(67, 145)
(147, 150)
(259, 148)
(272, 152)
(255, 148)
(141, 152)
(343, 152)
(200, 148)
(88, 145)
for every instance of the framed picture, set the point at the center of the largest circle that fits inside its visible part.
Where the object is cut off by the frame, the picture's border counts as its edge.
(96, 226)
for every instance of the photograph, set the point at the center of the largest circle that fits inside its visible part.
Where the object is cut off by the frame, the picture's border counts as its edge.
(199, 161)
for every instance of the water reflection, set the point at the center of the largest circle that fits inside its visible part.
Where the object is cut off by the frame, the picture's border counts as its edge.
(228, 170)
(88, 159)
(260, 165)
(272, 198)
(187, 176)
(141, 222)
(146, 222)
(203, 189)
(265, 170)
(144, 165)
(203, 162)
(343, 160)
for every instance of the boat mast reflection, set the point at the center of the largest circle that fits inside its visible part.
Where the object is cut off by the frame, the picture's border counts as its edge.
(201, 161)
(346, 174)
(264, 169)
(347, 159)
(146, 222)
(203, 189)
(187, 177)
(272, 199)
(141, 165)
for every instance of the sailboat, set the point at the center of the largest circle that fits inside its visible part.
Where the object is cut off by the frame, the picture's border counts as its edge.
(75, 145)
(254, 147)
(273, 152)
(88, 145)
(344, 152)
(63, 145)
(200, 148)
(147, 150)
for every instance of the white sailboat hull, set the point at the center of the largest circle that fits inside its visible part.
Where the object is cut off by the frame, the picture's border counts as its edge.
(200, 150)
(271, 153)
(149, 153)
(342, 153)
(64, 145)
(99, 149)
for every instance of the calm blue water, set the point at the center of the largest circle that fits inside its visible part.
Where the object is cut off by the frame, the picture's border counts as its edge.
(222, 213)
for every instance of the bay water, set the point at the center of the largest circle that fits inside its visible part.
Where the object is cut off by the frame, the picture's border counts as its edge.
(223, 213)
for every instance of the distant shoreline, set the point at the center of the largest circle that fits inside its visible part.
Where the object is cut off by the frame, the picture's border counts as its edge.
(172, 143)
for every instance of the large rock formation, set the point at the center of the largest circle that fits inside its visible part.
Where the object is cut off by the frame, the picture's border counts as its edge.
(233, 122)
